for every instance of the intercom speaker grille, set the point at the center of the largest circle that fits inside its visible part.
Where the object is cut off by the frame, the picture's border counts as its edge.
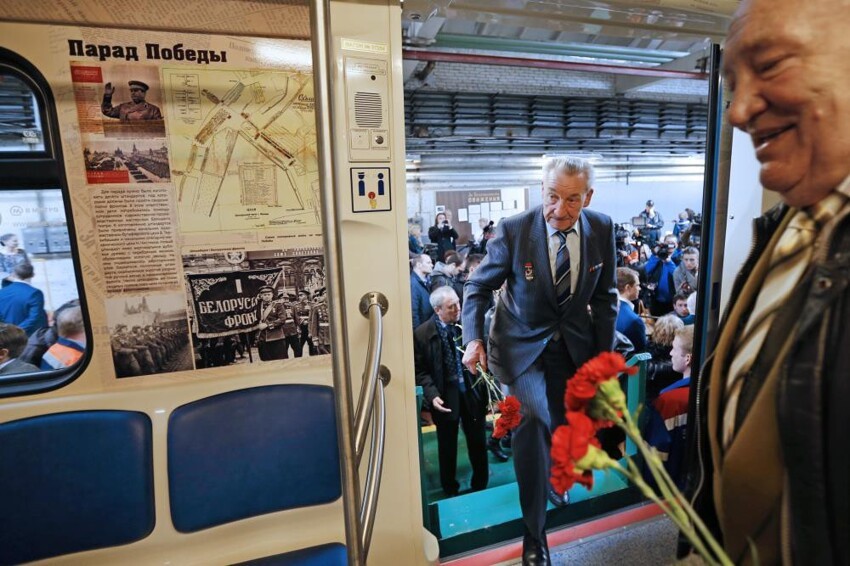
(367, 109)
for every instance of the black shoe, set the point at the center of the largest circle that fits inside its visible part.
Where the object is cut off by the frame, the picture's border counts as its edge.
(535, 551)
(558, 500)
(494, 447)
(505, 442)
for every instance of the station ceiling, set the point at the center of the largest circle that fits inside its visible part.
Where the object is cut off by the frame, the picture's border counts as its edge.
(637, 34)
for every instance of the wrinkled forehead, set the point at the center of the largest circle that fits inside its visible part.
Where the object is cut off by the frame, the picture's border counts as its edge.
(565, 183)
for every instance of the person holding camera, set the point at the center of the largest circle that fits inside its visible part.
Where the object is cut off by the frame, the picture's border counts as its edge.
(627, 254)
(486, 232)
(659, 279)
(653, 223)
(444, 235)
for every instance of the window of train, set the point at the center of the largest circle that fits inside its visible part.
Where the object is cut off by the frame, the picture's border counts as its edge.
(43, 330)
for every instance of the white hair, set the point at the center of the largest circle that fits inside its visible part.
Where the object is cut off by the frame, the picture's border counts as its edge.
(440, 295)
(569, 165)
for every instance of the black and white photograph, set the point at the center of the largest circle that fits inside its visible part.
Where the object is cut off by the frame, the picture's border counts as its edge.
(149, 334)
(126, 162)
(257, 306)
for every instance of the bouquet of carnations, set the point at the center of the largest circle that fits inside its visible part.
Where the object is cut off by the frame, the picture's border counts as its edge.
(595, 400)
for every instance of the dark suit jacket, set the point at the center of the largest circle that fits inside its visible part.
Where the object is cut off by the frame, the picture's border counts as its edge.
(420, 300)
(18, 366)
(527, 313)
(633, 326)
(430, 374)
(22, 304)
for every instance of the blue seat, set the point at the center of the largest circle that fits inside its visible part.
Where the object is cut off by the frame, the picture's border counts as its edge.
(250, 452)
(74, 481)
(324, 555)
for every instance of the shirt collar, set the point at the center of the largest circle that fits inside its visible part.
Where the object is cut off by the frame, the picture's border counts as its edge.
(551, 231)
(825, 210)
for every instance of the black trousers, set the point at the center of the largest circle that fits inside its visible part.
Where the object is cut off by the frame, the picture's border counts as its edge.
(471, 418)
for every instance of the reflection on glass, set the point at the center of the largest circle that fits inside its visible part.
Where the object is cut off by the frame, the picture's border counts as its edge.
(20, 125)
(43, 327)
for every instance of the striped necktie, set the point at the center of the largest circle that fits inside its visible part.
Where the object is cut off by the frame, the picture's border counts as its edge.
(562, 269)
(788, 263)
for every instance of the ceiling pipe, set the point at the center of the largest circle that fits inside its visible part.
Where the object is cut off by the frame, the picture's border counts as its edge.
(654, 56)
(464, 58)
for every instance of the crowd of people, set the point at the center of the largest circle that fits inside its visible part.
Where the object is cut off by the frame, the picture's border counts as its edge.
(31, 339)
(642, 299)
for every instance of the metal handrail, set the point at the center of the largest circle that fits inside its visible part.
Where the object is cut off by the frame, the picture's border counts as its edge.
(323, 81)
(375, 469)
(374, 306)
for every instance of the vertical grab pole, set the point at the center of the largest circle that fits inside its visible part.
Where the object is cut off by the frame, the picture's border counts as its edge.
(323, 75)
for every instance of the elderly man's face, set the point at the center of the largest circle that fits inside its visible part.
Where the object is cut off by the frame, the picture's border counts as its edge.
(449, 311)
(137, 94)
(787, 65)
(563, 198)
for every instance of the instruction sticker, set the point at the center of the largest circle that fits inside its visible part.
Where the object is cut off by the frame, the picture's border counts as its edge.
(370, 189)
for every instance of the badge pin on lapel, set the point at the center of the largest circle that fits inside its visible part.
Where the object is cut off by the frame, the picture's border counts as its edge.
(529, 272)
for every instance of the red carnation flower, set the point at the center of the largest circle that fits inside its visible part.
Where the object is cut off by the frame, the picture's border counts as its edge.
(569, 445)
(509, 417)
(581, 389)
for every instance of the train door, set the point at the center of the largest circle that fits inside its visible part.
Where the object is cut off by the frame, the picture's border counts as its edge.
(233, 204)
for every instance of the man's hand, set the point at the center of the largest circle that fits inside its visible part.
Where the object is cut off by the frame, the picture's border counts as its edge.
(108, 89)
(439, 404)
(473, 355)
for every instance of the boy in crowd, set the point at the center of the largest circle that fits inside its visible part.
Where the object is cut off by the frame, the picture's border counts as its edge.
(668, 414)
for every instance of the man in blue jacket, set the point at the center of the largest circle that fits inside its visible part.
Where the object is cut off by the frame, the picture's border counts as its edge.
(628, 322)
(22, 304)
(420, 288)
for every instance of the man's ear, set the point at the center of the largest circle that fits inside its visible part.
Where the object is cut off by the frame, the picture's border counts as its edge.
(587, 197)
(4, 354)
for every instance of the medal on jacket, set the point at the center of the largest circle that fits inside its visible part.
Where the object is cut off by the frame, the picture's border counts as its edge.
(529, 271)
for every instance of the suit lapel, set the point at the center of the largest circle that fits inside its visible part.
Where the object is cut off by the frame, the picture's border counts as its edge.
(585, 241)
(538, 246)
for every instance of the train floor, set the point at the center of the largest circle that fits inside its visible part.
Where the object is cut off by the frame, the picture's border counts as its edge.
(651, 543)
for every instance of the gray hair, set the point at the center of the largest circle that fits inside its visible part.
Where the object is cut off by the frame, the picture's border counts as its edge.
(440, 295)
(70, 322)
(569, 165)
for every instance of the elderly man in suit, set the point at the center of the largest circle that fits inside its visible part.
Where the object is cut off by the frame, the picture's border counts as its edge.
(558, 310)
(448, 390)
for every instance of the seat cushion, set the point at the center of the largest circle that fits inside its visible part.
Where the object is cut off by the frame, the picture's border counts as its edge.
(324, 555)
(250, 452)
(74, 481)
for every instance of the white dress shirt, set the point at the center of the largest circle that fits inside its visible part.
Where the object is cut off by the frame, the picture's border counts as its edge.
(573, 245)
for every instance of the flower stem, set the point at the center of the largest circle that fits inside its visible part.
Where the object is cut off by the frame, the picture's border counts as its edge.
(678, 509)
(671, 489)
(634, 475)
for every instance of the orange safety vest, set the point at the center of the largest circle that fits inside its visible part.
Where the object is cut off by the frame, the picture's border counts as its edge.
(61, 356)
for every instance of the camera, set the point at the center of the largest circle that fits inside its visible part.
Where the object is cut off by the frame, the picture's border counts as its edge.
(620, 234)
(663, 251)
(489, 228)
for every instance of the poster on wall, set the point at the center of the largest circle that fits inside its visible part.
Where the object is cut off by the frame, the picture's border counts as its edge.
(257, 306)
(148, 334)
(119, 110)
(197, 157)
(245, 148)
